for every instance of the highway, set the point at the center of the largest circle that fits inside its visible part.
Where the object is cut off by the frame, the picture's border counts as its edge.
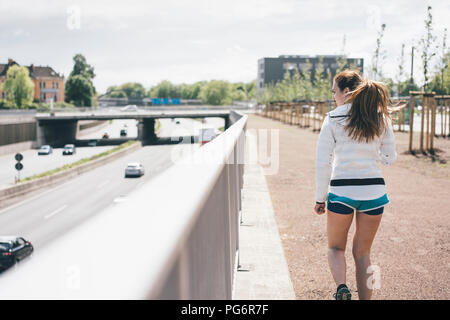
(42, 218)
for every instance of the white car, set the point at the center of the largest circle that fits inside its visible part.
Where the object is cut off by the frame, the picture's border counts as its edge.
(131, 107)
(44, 150)
(134, 169)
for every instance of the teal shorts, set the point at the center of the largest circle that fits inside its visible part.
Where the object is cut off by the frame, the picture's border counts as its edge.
(344, 205)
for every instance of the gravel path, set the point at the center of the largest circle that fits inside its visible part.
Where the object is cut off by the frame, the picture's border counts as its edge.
(412, 246)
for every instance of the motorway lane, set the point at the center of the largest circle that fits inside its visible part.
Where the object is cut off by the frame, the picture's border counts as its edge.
(34, 164)
(113, 130)
(43, 218)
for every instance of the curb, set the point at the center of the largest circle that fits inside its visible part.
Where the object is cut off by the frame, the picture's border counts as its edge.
(60, 177)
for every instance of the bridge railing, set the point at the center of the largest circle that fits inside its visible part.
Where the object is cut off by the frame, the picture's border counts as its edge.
(176, 237)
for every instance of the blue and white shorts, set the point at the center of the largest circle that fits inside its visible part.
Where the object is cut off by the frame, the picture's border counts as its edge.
(344, 205)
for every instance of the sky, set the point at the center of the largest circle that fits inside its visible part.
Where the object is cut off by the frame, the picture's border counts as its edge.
(188, 41)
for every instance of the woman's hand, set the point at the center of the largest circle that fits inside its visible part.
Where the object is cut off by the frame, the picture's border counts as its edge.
(319, 208)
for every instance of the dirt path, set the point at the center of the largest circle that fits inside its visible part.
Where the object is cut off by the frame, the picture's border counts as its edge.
(412, 246)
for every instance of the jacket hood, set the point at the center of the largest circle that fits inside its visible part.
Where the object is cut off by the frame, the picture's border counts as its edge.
(340, 113)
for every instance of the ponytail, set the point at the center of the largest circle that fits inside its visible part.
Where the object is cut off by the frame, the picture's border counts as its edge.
(369, 111)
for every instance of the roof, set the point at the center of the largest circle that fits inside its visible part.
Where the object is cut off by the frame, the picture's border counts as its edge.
(35, 71)
(8, 238)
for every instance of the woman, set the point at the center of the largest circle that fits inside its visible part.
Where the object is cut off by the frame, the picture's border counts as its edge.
(359, 133)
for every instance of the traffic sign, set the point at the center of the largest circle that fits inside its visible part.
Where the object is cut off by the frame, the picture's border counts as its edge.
(19, 166)
(18, 157)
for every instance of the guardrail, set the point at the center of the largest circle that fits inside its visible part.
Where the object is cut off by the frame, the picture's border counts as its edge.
(176, 237)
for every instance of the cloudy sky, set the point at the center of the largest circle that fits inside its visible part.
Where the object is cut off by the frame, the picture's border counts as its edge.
(187, 41)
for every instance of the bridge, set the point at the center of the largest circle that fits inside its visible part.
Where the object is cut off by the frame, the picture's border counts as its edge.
(151, 247)
(60, 128)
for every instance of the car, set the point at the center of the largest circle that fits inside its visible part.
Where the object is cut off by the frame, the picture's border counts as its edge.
(131, 107)
(177, 122)
(45, 150)
(13, 249)
(134, 169)
(105, 135)
(206, 135)
(123, 132)
(92, 143)
(69, 149)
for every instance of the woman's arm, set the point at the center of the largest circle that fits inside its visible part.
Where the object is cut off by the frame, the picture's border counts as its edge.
(387, 152)
(324, 158)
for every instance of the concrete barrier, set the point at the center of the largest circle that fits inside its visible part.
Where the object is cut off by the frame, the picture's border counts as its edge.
(21, 189)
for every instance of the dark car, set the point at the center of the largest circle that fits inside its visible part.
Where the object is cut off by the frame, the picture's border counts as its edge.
(12, 250)
(123, 132)
(69, 149)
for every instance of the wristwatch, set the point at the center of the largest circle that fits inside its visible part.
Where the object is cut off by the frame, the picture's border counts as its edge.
(320, 202)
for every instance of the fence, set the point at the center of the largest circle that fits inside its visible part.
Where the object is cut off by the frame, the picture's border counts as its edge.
(176, 237)
(306, 114)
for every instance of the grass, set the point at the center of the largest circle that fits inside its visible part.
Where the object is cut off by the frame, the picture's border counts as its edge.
(79, 162)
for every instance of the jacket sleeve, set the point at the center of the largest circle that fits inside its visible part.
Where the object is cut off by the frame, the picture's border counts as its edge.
(387, 153)
(324, 158)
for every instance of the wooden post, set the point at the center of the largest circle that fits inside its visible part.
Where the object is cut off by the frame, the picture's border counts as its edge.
(441, 104)
(422, 122)
(411, 121)
(427, 140)
(433, 123)
(448, 113)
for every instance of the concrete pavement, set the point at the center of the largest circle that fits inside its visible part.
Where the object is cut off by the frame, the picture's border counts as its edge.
(263, 273)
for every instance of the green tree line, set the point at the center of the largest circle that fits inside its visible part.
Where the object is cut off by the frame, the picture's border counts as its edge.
(214, 92)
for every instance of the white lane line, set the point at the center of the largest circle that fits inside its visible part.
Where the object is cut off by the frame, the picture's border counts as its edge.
(55, 212)
(120, 199)
(101, 185)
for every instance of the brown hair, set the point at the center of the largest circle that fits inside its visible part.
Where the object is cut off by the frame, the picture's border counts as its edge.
(348, 79)
(369, 110)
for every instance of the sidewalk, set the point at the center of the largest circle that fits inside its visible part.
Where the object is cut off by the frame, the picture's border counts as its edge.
(412, 246)
(264, 273)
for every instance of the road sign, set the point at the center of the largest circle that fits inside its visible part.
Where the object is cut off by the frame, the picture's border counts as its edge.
(19, 166)
(18, 157)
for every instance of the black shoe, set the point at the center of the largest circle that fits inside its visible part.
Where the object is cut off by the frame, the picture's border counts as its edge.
(342, 293)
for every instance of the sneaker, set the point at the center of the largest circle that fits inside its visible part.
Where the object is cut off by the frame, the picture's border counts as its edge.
(342, 293)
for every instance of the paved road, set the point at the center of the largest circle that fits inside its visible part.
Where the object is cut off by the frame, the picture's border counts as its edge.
(34, 164)
(45, 216)
(42, 218)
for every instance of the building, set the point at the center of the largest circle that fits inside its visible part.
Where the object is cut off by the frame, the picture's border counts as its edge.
(48, 84)
(272, 70)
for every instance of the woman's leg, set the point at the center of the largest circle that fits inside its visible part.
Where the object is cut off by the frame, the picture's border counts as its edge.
(366, 229)
(337, 231)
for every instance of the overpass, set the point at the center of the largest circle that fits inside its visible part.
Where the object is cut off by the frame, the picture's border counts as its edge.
(176, 237)
(58, 129)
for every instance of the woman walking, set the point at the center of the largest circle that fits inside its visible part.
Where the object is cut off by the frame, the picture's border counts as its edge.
(359, 133)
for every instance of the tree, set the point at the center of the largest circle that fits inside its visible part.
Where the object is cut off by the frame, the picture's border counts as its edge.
(306, 81)
(217, 92)
(79, 88)
(79, 91)
(81, 67)
(322, 85)
(379, 56)
(427, 44)
(132, 90)
(400, 70)
(18, 86)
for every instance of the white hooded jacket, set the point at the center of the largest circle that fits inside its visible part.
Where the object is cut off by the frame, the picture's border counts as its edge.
(354, 173)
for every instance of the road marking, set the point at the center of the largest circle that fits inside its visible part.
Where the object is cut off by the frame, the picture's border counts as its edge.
(101, 185)
(55, 212)
(120, 199)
